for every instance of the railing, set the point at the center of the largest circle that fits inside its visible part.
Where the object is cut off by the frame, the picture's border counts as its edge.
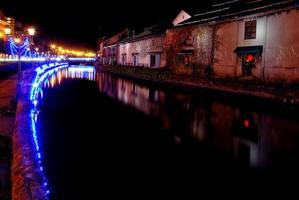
(43, 59)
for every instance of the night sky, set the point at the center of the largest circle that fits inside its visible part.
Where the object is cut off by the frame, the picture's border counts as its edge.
(81, 24)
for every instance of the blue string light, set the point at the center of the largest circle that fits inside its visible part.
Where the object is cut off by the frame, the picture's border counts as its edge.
(36, 93)
(22, 50)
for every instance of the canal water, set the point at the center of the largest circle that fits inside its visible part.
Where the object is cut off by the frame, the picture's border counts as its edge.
(104, 134)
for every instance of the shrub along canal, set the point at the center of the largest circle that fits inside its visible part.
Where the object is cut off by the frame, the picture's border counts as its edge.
(101, 133)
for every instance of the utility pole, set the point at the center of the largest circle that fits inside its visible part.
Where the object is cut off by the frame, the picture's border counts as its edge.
(19, 66)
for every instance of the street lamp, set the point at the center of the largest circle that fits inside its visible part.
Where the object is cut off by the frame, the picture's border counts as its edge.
(31, 31)
(7, 31)
(17, 40)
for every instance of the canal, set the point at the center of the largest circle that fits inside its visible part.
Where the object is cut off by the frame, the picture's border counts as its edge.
(103, 134)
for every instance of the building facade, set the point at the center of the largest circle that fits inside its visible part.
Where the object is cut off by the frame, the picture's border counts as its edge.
(10, 24)
(257, 46)
(232, 39)
(189, 47)
(239, 41)
(2, 26)
(146, 50)
(109, 48)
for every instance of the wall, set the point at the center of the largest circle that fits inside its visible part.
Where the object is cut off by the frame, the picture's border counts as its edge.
(144, 48)
(198, 38)
(282, 47)
(279, 59)
(110, 54)
(2, 26)
(228, 37)
(226, 40)
(182, 16)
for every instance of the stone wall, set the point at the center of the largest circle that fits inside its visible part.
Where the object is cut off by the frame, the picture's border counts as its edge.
(196, 38)
(27, 176)
(143, 48)
(277, 33)
(282, 46)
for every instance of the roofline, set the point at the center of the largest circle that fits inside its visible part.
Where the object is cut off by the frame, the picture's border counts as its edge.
(143, 38)
(136, 40)
(237, 18)
(119, 33)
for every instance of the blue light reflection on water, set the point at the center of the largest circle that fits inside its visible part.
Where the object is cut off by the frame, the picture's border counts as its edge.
(47, 75)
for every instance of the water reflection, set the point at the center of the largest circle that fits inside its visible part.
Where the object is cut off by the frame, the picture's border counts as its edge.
(144, 99)
(253, 138)
(72, 72)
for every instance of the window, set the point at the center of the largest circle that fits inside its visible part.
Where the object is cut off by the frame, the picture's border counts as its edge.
(135, 59)
(153, 61)
(187, 60)
(250, 30)
(124, 59)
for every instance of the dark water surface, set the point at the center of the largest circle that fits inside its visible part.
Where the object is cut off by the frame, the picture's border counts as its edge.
(106, 135)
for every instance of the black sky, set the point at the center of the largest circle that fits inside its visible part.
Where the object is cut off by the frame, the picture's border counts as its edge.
(83, 23)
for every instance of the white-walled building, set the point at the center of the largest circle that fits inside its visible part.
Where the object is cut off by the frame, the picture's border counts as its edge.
(248, 39)
(145, 49)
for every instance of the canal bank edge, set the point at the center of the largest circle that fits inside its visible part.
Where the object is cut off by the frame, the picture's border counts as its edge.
(286, 96)
(26, 180)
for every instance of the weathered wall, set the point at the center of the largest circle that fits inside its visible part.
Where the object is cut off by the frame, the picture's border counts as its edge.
(182, 16)
(198, 38)
(144, 48)
(277, 34)
(228, 37)
(226, 41)
(282, 46)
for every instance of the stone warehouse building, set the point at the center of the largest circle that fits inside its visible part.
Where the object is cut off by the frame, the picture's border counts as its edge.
(146, 49)
(238, 39)
(109, 48)
(232, 38)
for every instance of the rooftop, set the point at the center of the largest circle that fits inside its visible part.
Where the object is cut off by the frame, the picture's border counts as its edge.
(234, 8)
(150, 31)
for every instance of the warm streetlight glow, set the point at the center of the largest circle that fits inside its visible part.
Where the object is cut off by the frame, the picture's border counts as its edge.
(17, 40)
(31, 31)
(1, 35)
(71, 52)
(36, 49)
(7, 31)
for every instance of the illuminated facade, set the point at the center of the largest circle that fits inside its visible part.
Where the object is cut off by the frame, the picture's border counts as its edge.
(6, 22)
(145, 49)
(108, 48)
(238, 39)
(11, 24)
(2, 26)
